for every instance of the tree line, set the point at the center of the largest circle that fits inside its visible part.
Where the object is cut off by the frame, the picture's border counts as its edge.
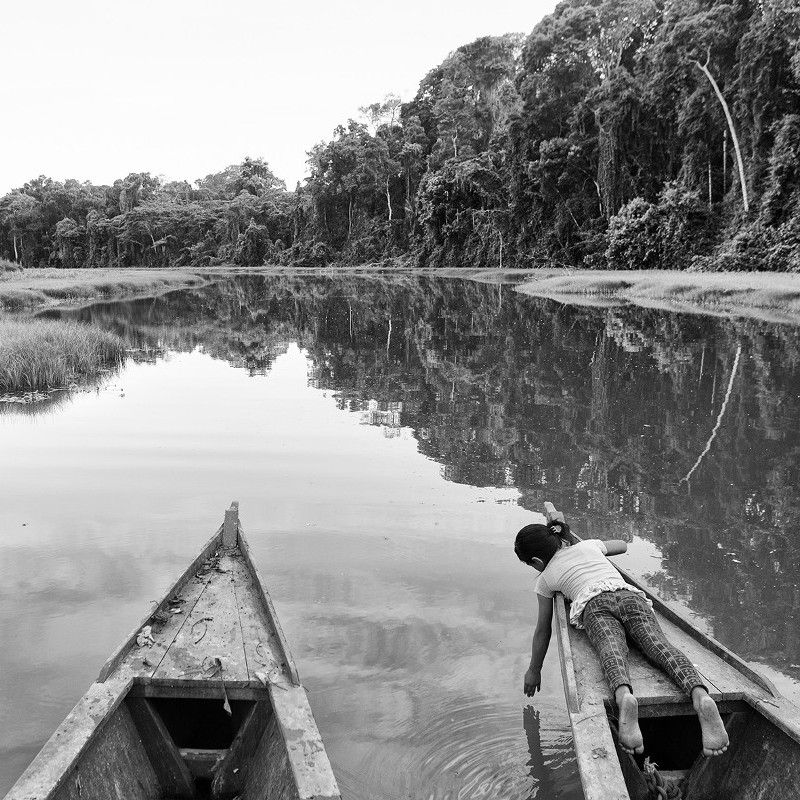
(628, 134)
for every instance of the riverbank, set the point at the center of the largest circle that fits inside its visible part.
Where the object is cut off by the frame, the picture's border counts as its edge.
(33, 288)
(770, 296)
(773, 297)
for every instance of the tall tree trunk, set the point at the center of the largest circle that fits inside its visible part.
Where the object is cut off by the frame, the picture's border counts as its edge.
(734, 137)
(610, 117)
(388, 199)
(349, 217)
(608, 170)
(16, 253)
(724, 163)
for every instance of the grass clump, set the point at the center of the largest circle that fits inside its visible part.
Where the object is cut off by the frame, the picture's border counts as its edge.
(51, 354)
(7, 267)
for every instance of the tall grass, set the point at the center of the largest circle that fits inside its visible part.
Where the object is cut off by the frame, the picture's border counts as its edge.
(50, 354)
(7, 266)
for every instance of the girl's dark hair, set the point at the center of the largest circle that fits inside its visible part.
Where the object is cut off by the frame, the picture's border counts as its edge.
(541, 541)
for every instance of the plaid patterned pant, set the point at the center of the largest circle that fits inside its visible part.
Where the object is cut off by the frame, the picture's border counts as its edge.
(609, 616)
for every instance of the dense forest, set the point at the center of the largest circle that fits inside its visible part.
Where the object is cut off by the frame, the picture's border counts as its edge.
(626, 134)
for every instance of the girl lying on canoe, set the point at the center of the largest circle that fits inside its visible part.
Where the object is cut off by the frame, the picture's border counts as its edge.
(608, 608)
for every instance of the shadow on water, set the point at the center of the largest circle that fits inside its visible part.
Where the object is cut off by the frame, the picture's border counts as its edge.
(601, 410)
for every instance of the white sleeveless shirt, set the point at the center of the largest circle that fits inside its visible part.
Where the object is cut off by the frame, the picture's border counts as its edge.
(581, 572)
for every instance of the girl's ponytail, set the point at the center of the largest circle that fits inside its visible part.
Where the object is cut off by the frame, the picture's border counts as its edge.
(560, 529)
(541, 541)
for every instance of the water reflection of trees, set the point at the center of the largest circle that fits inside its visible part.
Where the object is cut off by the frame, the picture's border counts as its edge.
(601, 410)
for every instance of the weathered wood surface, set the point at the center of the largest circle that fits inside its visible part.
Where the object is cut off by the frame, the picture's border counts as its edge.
(269, 774)
(230, 527)
(308, 760)
(142, 662)
(222, 614)
(115, 767)
(761, 763)
(218, 608)
(262, 649)
(69, 743)
(203, 763)
(230, 777)
(170, 768)
(282, 654)
(211, 632)
(162, 608)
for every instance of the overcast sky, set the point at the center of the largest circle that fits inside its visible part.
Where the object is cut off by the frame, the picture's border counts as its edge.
(95, 89)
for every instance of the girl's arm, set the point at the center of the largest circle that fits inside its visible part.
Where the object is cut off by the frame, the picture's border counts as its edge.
(615, 547)
(539, 645)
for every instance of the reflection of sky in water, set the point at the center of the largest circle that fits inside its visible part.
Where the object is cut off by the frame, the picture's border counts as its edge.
(408, 614)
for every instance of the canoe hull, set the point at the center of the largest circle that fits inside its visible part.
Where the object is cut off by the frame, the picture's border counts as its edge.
(762, 762)
(201, 701)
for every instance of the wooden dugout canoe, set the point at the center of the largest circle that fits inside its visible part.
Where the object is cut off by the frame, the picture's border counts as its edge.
(201, 701)
(762, 761)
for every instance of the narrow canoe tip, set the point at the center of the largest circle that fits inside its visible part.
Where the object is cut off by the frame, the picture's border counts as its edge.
(230, 526)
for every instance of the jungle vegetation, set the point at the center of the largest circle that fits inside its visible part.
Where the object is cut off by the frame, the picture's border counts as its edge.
(623, 134)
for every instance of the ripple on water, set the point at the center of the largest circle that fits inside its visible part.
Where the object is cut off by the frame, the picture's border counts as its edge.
(468, 752)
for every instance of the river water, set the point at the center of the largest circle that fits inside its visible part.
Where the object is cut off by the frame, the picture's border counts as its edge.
(386, 437)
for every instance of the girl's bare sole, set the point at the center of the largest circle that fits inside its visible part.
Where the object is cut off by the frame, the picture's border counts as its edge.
(715, 737)
(630, 736)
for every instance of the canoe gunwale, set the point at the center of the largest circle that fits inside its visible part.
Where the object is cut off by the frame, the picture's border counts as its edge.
(709, 642)
(116, 658)
(213, 544)
(565, 653)
(69, 742)
(595, 750)
(244, 548)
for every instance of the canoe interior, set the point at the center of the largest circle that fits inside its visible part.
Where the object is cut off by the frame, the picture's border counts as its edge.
(762, 762)
(172, 746)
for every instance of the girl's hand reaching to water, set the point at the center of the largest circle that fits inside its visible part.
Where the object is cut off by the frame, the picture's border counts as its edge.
(533, 681)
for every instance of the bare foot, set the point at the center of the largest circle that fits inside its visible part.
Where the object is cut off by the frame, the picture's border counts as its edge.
(630, 736)
(715, 737)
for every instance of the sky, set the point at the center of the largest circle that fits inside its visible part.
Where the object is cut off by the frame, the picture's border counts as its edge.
(96, 89)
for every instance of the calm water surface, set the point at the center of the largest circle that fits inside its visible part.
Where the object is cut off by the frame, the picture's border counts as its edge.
(386, 438)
